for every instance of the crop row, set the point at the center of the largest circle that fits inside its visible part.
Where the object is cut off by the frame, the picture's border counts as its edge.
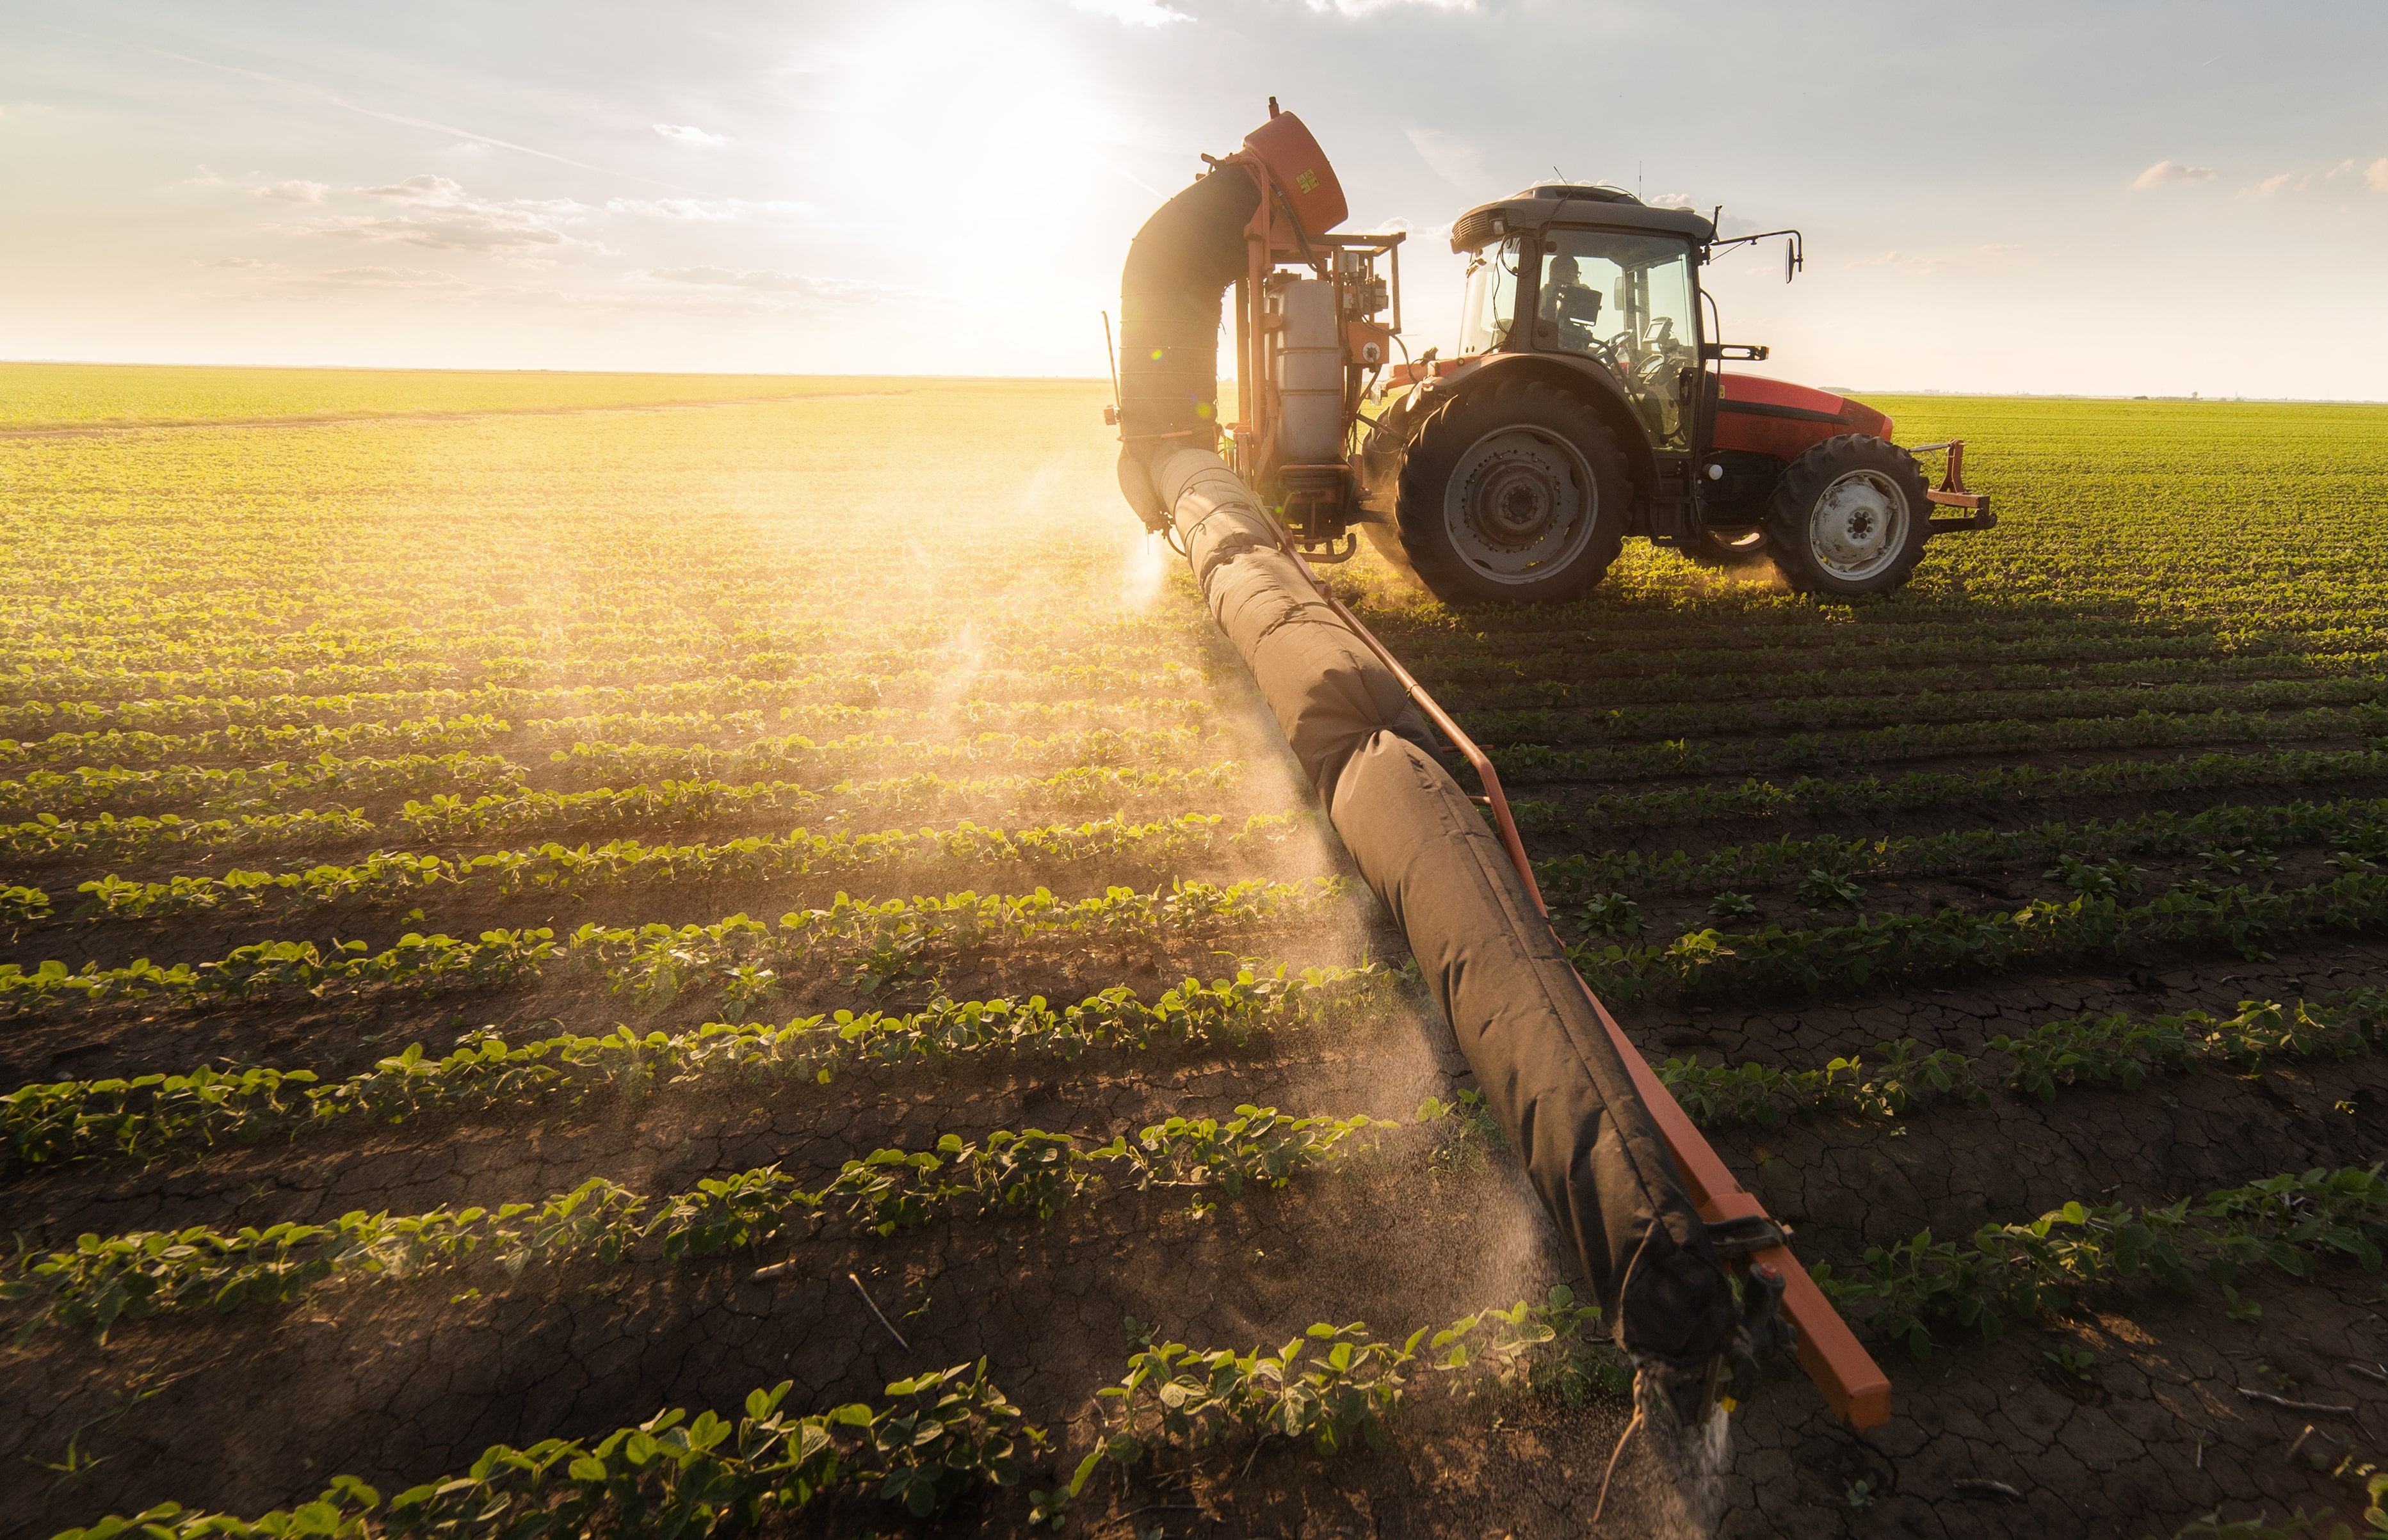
(129, 748)
(732, 682)
(2111, 1050)
(1734, 632)
(739, 957)
(132, 750)
(1905, 1291)
(792, 680)
(493, 641)
(1537, 761)
(524, 811)
(1089, 786)
(105, 1279)
(937, 1438)
(1606, 678)
(1708, 717)
(621, 865)
(146, 1115)
(450, 817)
(264, 790)
(621, 764)
(2357, 827)
(1886, 947)
(1817, 797)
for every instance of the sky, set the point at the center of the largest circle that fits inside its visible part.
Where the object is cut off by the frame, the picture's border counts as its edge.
(2085, 198)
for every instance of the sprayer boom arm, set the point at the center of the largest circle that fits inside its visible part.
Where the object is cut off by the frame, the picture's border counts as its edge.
(1852, 1383)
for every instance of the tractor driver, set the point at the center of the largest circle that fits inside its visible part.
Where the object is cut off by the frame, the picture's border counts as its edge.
(1569, 309)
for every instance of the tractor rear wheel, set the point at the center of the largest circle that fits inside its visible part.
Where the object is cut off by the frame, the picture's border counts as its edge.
(1848, 518)
(1515, 491)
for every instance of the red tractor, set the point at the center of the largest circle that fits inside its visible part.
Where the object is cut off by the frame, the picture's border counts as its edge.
(1584, 404)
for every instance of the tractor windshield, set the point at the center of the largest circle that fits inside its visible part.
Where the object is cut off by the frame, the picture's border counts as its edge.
(1492, 298)
(1625, 299)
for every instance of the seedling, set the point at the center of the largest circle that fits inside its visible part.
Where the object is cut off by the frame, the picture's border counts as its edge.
(1823, 890)
(1731, 906)
(2094, 879)
(2077, 1361)
(1611, 915)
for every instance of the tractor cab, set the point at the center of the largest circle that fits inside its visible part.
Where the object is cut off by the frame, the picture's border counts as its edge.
(1620, 294)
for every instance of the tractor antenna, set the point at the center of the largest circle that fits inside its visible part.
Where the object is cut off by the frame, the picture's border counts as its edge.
(1638, 188)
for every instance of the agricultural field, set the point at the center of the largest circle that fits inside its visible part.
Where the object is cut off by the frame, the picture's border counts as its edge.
(666, 949)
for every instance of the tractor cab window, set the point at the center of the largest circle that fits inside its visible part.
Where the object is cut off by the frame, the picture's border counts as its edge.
(1492, 298)
(1625, 301)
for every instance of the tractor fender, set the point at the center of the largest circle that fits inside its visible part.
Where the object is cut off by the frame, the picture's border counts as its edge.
(1582, 378)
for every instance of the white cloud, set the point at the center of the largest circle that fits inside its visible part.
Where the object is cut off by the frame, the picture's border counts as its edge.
(709, 210)
(687, 134)
(294, 192)
(2375, 176)
(2001, 248)
(2167, 173)
(437, 213)
(1362, 8)
(1671, 200)
(202, 177)
(1132, 13)
(374, 276)
(1452, 159)
(424, 186)
(1904, 263)
(799, 284)
(237, 262)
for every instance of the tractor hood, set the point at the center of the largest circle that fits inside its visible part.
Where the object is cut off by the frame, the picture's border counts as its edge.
(1756, 412)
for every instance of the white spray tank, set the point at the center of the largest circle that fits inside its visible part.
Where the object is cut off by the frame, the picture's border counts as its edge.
(1309, 373)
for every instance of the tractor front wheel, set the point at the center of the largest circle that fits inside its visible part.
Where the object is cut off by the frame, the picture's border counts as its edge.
(1514, 491)
(1848, 518)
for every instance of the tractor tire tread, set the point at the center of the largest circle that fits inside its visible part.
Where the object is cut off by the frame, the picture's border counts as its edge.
(1448, 430)
(1805, 479)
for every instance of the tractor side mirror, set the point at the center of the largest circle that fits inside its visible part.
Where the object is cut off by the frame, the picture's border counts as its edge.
(1755, 352)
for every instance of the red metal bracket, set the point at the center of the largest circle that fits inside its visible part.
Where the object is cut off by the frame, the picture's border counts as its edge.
(1951, 491)
(1851, 1383)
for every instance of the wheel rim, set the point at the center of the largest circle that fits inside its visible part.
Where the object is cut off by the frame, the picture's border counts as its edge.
(1859, 526)
(1520, 505)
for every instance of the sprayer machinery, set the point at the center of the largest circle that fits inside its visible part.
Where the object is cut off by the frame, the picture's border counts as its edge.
(1583, 405)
